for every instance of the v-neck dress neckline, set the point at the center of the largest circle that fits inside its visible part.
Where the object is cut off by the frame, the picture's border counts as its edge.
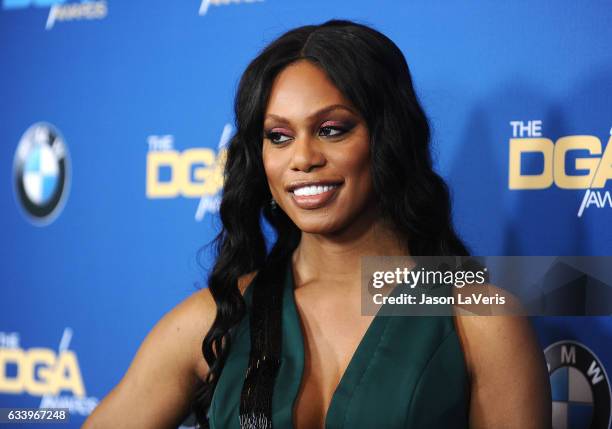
(353, 374)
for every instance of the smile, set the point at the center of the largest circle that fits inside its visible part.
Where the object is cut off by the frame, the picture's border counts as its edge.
(313, 190)
(313, 196)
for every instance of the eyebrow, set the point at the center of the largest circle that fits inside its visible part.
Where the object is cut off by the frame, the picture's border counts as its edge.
(317, 113)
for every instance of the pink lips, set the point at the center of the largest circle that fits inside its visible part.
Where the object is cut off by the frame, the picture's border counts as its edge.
(310, 202)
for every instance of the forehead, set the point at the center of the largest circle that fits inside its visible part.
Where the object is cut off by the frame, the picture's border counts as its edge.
(301, 88)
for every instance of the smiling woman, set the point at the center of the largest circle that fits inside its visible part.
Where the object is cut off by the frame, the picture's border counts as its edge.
(332, 147)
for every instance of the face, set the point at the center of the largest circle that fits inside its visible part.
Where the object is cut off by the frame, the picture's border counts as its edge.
(316, 151)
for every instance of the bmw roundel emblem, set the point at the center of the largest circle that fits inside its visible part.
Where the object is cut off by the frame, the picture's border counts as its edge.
(580, 387)
(41, 170)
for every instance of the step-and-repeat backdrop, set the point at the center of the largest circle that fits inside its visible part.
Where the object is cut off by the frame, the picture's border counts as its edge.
(114, 119)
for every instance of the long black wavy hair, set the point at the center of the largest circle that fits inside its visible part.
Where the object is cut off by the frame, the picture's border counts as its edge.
(372, 73)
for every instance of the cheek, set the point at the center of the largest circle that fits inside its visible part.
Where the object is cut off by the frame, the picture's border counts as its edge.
(273, 167)
(364, 179)
(358, 166)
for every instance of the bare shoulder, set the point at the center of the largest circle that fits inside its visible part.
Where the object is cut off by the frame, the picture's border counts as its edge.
(157, 389)
(193, 318)
(509, 379)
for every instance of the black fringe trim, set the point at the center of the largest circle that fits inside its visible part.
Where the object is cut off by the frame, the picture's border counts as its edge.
(266, 344)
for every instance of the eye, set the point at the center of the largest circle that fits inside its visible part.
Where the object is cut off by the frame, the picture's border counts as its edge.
(273, 136)
(326, 131)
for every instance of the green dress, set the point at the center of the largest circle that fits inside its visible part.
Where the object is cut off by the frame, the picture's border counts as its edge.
(407, 372)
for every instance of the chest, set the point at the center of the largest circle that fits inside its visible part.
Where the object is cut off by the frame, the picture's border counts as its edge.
(332, 331)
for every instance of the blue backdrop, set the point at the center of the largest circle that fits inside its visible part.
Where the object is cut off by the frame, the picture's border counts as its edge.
(114, 116)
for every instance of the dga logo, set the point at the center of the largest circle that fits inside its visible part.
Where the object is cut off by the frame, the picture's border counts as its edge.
(41, 171)
(44, 373)
(192, 173)
(61, 10)
(206, 3)
(573, 162)
(580, 387)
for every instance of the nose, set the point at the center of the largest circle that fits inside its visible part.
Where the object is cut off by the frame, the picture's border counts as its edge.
(306, 155)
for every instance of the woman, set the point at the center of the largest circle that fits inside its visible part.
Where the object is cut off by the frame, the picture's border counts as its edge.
(332, 147)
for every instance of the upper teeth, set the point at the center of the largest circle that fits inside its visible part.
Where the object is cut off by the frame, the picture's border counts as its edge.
(313, 190)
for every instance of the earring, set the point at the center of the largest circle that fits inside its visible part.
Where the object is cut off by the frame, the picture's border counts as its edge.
(273, 204)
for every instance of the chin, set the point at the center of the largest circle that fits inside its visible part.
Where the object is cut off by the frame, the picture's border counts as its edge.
(314, 226)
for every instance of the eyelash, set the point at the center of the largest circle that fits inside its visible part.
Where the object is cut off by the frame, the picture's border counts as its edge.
(270, 134)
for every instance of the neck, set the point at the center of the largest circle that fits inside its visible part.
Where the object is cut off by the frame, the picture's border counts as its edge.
(337, 257)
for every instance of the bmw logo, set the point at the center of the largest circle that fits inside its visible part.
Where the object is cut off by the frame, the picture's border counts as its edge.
(580, 387)
(41, 170)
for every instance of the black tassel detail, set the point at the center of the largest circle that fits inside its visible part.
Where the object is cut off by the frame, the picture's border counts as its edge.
(266, 344)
